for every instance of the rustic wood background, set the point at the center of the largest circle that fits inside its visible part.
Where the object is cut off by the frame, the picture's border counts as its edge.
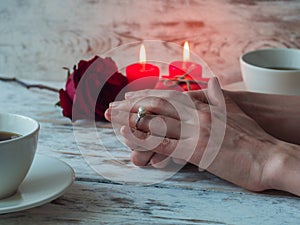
(38, 38)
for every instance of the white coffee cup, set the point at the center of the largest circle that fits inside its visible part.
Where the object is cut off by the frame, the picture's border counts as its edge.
(274, 71)
(16, 155)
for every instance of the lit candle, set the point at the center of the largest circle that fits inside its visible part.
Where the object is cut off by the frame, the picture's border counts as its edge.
(142, 75)
(183, 75)
(185, 67)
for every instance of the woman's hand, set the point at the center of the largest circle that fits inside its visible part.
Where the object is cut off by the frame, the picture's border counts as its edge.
(204, 128)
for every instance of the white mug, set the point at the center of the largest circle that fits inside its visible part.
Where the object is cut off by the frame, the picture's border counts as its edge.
(274, 71)
(16, 155)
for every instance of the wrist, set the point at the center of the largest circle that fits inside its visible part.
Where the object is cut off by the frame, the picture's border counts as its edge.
(282, 169)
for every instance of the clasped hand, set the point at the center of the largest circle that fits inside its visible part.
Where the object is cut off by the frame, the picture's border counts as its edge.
(206, 128)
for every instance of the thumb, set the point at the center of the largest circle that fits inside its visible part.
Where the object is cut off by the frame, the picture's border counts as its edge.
(218, 123)
(215, 93)
(217, 97)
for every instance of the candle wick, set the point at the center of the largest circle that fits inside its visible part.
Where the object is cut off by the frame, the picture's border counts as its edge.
(143, 66)
(188, 85)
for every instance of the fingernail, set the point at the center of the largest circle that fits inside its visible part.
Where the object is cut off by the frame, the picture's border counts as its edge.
(129, 94)
(126, 132)
(107, 114)
(113, 104)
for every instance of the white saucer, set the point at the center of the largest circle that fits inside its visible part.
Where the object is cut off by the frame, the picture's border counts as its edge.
(47, 179)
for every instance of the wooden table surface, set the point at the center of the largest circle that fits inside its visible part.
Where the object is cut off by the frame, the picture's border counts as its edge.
(37, 38)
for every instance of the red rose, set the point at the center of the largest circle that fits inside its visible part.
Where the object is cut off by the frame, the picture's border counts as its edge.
(90, 89)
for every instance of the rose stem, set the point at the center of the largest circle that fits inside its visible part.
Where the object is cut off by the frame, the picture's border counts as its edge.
(28, 86)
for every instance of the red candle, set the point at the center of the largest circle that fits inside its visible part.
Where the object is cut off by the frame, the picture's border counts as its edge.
(142, 75)
(183, 75)
(194, 70)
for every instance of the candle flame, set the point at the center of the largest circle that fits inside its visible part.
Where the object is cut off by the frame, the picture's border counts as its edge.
(142, 54)
(186, 52)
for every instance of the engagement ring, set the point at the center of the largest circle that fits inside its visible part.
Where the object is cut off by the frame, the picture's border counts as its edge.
(140, 114)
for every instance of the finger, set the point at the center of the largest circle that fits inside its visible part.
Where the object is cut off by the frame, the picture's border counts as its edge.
(218, 123)
(181, 97)
(141, 157)
(167, 107)
(107, 114)
(179, 161)
(160, 161)
(215, 94)
(136, 139)
(152, 104)
(181, 149)
(155, 124)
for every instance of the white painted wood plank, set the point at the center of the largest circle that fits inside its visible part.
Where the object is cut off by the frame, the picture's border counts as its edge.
(100, 203)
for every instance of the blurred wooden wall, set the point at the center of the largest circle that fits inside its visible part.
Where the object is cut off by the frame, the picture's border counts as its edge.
(38, 38)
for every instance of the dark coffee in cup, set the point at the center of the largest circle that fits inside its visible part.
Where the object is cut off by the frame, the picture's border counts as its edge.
(4, 136)
(282, 68)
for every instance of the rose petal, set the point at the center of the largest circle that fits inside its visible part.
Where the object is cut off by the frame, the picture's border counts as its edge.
(82, 68)
(65, 103)
(70, 87)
